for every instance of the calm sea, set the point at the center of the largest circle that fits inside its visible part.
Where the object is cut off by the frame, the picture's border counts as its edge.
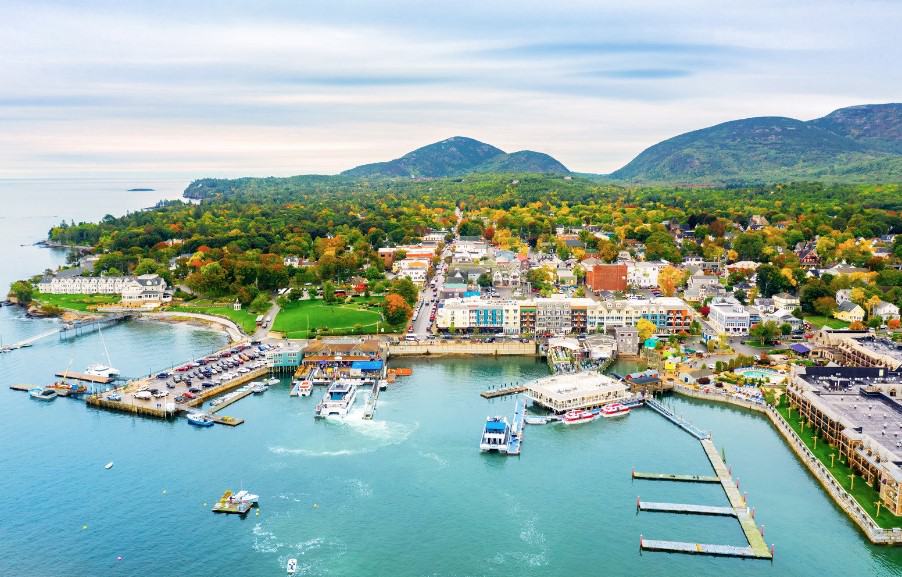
(407, 494)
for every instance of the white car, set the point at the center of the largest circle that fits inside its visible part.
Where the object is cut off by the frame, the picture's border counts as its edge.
(160, 394)
(143, 395)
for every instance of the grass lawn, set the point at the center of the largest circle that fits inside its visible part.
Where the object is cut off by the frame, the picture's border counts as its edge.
(865, 495)
(77, 302)
(244, 319)
(818, 322)
(336, 319)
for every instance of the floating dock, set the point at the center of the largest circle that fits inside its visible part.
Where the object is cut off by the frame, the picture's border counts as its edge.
(685, 509)
(23, 388)
(698, 548)
(370, 408)
(234, 399)
(517, 426)
(503, 391)
(96, 379)
(677, 420)
(225, 505)
(225, 420)
(673, 477)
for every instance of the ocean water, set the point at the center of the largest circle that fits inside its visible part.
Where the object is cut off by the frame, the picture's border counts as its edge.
(407, 494)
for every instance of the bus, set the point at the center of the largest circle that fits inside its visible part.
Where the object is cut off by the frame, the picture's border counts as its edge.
(259, 320)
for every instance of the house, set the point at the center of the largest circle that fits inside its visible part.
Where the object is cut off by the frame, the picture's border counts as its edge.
(292, 260)
(147, 288)
(784, 317)
(643, 274)
(765, 305)
(842, 268)
(701, 286)
(786, 301)
(843, 296)
(886, 311)
(696, 377)
(807, 253)
(849, 312)
(757, 222)
(565, 278)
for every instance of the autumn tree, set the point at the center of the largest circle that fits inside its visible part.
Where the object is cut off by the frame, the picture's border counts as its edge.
(669, 279)
(396, 309)
(646, 329)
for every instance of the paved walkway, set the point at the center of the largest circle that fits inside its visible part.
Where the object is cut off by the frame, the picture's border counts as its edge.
(234, 331)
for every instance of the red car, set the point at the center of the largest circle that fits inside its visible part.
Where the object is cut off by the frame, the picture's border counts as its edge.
(188, 395)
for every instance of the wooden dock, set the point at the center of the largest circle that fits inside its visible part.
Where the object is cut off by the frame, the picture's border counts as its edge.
(673, 477)
(686, 509)
(21, 387)
(225, 420)
(234, 399)
(226, 505)
(698, 548)
(96, 379)
(503, 391)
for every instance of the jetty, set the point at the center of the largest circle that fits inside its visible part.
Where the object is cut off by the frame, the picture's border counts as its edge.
(503, 391)
(87, 326)
(517, 426)
(27, 342)
(233, 398)
(738, 507)
(96, 379)
(370, 408)
(677, 420)
(676, 478)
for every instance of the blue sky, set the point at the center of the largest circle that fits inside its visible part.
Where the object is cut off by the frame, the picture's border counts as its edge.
(232, 88)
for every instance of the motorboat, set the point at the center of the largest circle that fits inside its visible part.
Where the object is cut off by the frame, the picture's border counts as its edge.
(243, 496)
(496, 435)
(292, 566)
(614, 410)
(338, 400)
(584, 416)
(200, 420)
(42, 394)
(259, 388)
(272, 381)
(303, 388)
(64, 388)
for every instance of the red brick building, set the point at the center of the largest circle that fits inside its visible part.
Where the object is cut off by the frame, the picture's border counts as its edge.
(606, 277)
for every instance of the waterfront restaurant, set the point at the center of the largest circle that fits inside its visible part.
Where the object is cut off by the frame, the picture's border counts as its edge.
(856, 409)
(343, 358)
(562, 393)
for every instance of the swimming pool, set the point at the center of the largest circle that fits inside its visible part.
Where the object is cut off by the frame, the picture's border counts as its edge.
(760, 374)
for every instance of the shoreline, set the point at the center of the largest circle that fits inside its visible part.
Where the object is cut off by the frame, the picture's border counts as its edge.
(838, 494)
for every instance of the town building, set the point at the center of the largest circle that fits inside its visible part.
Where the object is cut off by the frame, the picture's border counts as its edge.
(857, 349)
(643, 274)
(149, 288)
(727, 316)
(886, 311)
(849, 312)
(607, 277)
(562, 393)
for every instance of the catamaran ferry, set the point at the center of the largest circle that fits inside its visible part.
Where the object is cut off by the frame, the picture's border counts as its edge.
(338, 400)
(496, 435)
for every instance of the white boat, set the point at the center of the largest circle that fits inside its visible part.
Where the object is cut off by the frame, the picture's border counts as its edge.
(496, 435)
(292, 566)
(243, 496)
(42, 394)
(108, 465)
(584, 416)
(101, 370)
(200, 420)
(338, 400)
(272, 381)
(259, 388)
(303, 388)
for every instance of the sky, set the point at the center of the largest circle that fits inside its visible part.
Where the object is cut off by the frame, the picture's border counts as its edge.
(227, 88)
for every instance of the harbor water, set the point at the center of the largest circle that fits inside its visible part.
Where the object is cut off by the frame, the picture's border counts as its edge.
(406, 494)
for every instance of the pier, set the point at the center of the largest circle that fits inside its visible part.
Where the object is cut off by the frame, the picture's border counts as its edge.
(685, 509)
(676, 478)
(27, 342)
(87, 326)
(677, 420)
(232, 399)
(503, 391)
(370, 408)
(95, 379)
(517, 426)
(738, 507)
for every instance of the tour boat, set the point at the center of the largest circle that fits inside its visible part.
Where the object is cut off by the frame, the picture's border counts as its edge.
(496, 435)
(304, 388)
(200, 420)
(576, 417)
(338, 400)
(42, 394)
(614, 410)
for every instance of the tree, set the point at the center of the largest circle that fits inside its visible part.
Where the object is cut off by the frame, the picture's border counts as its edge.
(396, 309)
(405, 288)
(893, 324)
(22, 291)
(484, 280)
(646, 329)
(825, 306)
(749, 246)
(771, 281)
(786, 329)
(329, 292)
(766, 332)
(669, 279)
(259, 305)
(856, 326)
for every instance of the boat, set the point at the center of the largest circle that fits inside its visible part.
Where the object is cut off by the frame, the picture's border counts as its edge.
(200, 420)
(259, 388)
(42, 394)
(101, 370)
(108, 465)
(292, 566)
(539, 419)
(584, 416)
(303, 388)
(272, 381)
(614, 410)
(338, 400)
(496, 435)
(243, 496)
(62, 387)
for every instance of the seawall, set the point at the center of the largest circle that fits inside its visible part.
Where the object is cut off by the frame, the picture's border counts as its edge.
(500, 348)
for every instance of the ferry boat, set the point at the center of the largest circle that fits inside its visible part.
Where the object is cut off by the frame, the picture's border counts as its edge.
(338, 400)
(101, 370)
(496, 435)
(614, 410)
(200, 420)
(584, 416)
(42, 394)
(303, 388)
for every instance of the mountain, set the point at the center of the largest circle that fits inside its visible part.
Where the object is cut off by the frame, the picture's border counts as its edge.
(861, 143)
(459, 155)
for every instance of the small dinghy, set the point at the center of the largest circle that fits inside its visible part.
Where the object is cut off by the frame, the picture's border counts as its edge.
(292, 566)
(108, 465)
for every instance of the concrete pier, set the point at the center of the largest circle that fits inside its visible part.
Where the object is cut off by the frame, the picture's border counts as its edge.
(503, 391)
(676, 478)
(698, 548)
(686, 509)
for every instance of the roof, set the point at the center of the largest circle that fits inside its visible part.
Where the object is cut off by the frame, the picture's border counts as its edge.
(848, 306)
(367, 365)
(800, 348)
(494, 426)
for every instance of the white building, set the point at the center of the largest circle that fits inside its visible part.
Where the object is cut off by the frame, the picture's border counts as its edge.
(643, 274)
(561, 393)
(886, 311)
(142, 289)
(729, 317)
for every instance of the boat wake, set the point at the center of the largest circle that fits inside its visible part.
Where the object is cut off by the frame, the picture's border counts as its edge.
(435, 457)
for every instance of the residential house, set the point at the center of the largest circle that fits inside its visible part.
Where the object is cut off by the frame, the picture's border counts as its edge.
(849, 312)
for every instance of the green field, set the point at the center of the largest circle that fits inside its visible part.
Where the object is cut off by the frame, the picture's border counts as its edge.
(818, 322)
(338, 319)
(77, 302)
(866, 496)
(244, 319)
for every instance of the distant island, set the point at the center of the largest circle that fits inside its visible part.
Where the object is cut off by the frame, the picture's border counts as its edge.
(141, 190)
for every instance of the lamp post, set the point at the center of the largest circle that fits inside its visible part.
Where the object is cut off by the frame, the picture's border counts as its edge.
(814, 438)
(852, 482)
(832, 455)
(878, 504)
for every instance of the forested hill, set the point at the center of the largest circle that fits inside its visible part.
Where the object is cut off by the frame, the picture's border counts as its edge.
(855, 144)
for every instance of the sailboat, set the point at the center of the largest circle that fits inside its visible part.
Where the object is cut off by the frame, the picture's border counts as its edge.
(99, 369)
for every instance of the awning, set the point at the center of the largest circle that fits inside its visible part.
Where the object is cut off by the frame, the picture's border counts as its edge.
(367, 365)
